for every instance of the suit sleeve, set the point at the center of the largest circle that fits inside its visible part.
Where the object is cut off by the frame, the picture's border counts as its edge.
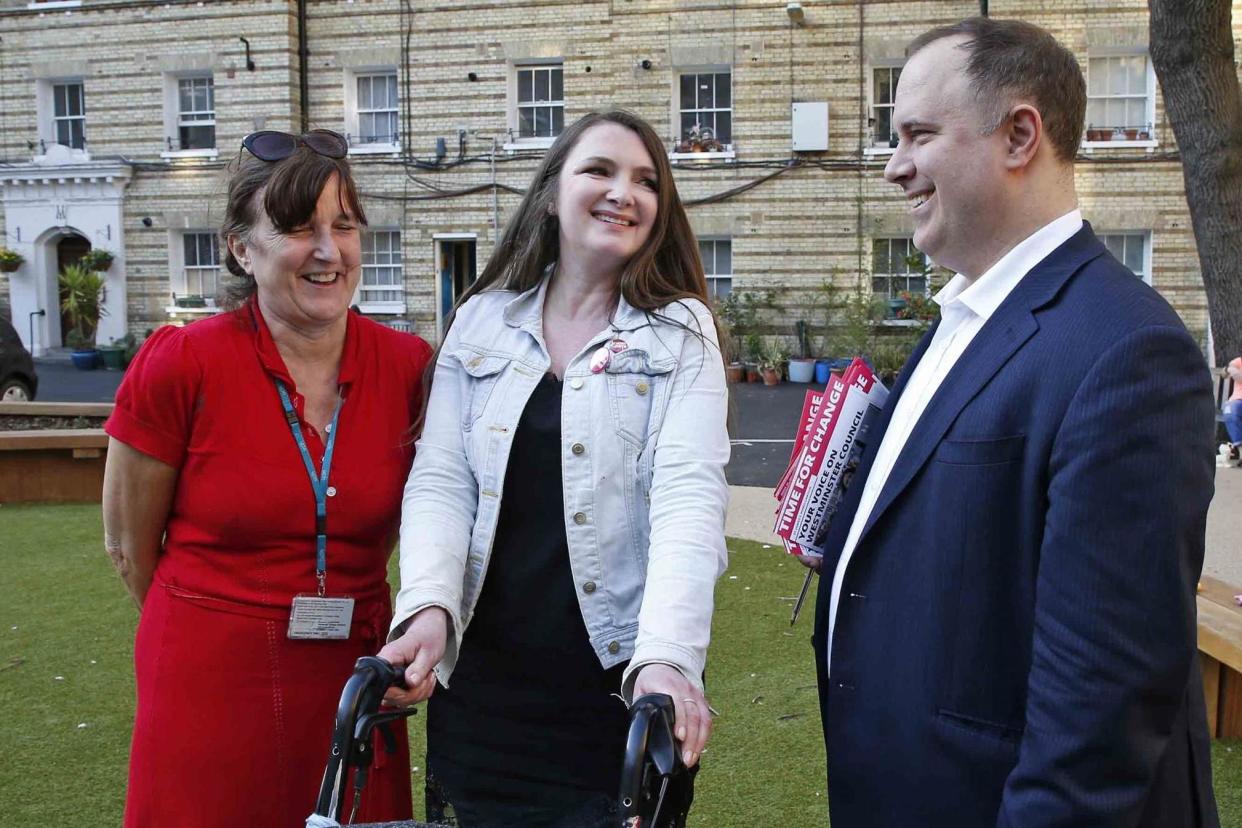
(1130, 478)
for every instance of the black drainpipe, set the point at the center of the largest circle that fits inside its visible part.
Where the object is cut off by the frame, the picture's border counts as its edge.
(303, 66)
(983, 8)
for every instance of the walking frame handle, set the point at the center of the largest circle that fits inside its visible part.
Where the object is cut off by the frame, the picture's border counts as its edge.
(650, 738)
(357, 716)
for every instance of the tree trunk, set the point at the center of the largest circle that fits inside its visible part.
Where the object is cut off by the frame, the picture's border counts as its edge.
(1192, 51)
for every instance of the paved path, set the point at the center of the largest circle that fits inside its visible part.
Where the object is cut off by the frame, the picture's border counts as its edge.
(751, 514)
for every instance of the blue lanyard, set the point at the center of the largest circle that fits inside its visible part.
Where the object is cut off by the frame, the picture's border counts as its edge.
(319, 482)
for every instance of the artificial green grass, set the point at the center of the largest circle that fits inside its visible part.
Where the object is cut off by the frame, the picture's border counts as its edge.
(65, 741)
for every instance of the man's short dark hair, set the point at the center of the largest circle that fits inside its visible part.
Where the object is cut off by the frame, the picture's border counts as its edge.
(1011, 59)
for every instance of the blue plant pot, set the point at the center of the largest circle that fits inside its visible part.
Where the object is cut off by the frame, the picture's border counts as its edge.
(822, 372)
(84, 360)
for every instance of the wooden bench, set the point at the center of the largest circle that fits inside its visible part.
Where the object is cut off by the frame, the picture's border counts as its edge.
(1220, 657)
(55, 465)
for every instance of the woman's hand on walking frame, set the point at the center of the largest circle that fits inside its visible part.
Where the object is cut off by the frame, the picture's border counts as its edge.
(418, 649)
(693, 718)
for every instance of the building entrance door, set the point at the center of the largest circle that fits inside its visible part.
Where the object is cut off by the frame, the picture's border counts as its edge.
(455, 263)
(69, 251)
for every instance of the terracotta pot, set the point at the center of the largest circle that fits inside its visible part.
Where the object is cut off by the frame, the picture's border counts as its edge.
(771, 376)
(1132, 134)
(752, 374)
(735, 372)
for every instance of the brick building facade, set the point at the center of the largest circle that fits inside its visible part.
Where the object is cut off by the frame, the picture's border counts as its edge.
(118, 119)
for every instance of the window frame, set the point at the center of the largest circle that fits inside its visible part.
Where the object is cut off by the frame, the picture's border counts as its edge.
(874, 274)
(1150, 142)
(173, 113)
(1145, 237)
(45, 111)
(178, 276)
(382, 306)
(871, 146)
(353, 114)
(516, 140)
(730, 149)
(713, 278)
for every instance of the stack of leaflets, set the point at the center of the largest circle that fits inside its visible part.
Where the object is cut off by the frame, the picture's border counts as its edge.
(827, 450)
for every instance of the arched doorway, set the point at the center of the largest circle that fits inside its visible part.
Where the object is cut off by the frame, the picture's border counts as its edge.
(69, 251)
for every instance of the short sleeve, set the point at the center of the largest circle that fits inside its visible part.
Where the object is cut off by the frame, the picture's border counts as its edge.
(155, 403)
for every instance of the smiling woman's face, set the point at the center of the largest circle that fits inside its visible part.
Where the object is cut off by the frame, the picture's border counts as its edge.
(607, 199)
(307, 276)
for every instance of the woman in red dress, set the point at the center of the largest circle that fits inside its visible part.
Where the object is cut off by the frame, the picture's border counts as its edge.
(212, 519)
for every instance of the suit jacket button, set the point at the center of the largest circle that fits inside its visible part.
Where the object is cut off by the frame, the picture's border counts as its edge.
(614, 647)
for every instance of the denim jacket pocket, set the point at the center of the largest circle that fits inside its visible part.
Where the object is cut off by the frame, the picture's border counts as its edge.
(635, 383)
(483, 372)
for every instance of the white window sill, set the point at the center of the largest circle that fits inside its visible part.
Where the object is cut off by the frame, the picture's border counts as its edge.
(209, 310)
(1091, 146)
(529, 144)
(381, 307)
(726, 155)
(903, 323)
(209, 154)
(874, 152)
(375, 149)
(55, 4)
(74, 156)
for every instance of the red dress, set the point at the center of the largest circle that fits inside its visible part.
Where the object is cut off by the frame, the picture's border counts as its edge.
(234, 719)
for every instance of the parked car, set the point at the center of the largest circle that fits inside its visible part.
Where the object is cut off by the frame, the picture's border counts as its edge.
(18, 381)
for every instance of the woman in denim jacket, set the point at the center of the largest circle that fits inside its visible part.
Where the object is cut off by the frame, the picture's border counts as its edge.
(563, 522)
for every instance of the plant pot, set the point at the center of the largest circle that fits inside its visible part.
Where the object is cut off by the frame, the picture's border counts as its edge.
(752, 374)
(771, 376)
(113, 358)
(1098, 134)
(84, 360)
(1132, 134)
(9, 267)
(821, 372)
(734, 372)
(801, 370)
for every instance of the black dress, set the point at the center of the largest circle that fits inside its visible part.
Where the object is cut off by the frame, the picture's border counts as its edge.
(531, 733)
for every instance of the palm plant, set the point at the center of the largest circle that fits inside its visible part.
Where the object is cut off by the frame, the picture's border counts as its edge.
(81, 290)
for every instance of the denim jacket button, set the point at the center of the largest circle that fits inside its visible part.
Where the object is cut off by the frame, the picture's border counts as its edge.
(641, 388)
(575, 383)
(614, 647)
(588, 587)
(577, 448)
(579, 518)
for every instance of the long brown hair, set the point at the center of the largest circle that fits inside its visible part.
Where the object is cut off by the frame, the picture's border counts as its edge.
(667, 267)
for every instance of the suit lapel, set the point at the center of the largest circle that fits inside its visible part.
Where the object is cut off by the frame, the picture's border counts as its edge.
(1002, 335)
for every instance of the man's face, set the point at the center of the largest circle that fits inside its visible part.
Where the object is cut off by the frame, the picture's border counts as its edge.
(953, 176)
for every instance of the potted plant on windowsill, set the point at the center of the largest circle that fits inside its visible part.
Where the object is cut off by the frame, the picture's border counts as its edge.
(81, 302)
(10, 260)
(97, 260)
(190, 301)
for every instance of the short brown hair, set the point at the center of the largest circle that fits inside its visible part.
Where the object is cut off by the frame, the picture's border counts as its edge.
(291, 189)
(1011, 59)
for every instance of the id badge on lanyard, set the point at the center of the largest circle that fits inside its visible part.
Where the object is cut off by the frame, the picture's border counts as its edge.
(318, 615)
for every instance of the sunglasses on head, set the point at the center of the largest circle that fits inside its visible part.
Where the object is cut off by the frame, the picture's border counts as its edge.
(270, 145)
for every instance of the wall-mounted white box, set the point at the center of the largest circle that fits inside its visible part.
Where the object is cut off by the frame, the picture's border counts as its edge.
(810, 126)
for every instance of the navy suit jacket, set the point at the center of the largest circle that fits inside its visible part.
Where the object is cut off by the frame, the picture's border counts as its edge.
(1015, 643)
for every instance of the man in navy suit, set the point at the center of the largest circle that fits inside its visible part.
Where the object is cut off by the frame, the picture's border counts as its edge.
(1005, 626)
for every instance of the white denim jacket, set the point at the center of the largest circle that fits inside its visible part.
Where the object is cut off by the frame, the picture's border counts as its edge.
(644, 445)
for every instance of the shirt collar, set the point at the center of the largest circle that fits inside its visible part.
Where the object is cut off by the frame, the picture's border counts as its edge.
(274, 364)
(984, 295)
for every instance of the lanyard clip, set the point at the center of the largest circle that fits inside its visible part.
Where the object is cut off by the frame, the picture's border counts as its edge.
(322, 577)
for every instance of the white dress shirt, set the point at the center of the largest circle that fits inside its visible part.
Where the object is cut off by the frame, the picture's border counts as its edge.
(965, 307)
